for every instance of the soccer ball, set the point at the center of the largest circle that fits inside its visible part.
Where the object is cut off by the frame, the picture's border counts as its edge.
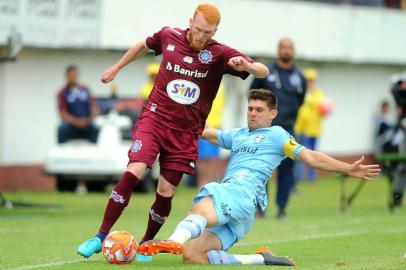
(120, 247)
(326, 106)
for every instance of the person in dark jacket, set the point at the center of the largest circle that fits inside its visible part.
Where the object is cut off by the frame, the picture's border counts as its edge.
(287, 82)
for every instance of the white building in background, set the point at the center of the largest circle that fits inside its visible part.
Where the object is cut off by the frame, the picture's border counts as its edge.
(355, 49)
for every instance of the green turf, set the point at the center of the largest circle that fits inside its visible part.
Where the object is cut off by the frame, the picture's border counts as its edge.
(315, 234)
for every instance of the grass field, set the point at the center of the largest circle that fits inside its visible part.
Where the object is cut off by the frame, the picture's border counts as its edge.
(315, 233)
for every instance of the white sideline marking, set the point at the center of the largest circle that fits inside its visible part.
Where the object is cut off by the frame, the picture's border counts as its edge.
(332, 235)
(35, 266)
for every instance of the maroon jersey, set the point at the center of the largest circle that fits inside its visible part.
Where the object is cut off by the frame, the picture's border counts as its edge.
(187, 81)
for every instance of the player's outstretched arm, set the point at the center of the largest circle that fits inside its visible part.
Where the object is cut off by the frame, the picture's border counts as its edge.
(210, 134)
(257, 69)
(324, 162)
(135, 52)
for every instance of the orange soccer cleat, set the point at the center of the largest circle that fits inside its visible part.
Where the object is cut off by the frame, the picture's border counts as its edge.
(153, 247)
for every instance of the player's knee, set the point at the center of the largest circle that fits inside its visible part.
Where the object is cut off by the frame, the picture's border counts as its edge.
(193, 257)
(166, 190)
(137, 168)
(197, 211)
(205, 207)
(187, 256)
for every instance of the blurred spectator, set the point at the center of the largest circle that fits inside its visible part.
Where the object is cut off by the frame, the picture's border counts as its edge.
(209, 162)
(113, 91)
(106, 104)
(308, 123)
(289, 85)
(383, 128)
(398, 141)
(372, 3)
(77, 109)
(393, 3)
(152, 71)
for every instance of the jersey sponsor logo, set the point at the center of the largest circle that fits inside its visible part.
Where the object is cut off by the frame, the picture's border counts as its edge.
(245, 149)
(205, 56)
(183, 92)
(136, 146)
(170, 47)
(184, 71)
(188, 59)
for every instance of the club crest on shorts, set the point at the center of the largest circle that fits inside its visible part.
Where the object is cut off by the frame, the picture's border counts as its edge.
(205, 56)
(136, 146)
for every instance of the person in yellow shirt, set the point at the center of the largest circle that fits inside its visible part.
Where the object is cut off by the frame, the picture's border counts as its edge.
(309, 120)
(209, 162)
(152, 71)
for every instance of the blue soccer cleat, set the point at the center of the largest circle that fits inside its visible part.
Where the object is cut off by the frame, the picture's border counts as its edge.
(90, 247)
(143, 258)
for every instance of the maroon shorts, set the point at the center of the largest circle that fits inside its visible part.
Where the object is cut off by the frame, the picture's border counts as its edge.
(177, 149)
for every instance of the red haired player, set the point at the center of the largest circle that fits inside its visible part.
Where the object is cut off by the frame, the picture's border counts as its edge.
(173, 117)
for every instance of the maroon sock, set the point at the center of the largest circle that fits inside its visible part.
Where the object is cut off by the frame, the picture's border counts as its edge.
(157, 216)
(119, 199)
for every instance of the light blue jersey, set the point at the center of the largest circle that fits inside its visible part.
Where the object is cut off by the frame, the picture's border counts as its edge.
(254, 156)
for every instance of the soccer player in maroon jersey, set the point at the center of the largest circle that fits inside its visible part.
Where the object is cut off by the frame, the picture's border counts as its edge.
(174, 115)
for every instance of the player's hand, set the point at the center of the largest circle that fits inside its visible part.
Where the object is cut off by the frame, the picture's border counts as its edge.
(207, 129)
(210, 134)
(109, 75)
(83, 122)
(239, 63)
(366, 172)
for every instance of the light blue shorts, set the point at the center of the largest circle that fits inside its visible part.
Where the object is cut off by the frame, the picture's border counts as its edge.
(235, 211)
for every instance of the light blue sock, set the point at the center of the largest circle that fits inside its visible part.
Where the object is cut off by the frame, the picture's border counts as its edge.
(194, 223)
(221, 257)
(191, 227)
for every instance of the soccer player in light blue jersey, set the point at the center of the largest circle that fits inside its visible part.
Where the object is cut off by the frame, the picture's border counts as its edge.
(223, 213)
